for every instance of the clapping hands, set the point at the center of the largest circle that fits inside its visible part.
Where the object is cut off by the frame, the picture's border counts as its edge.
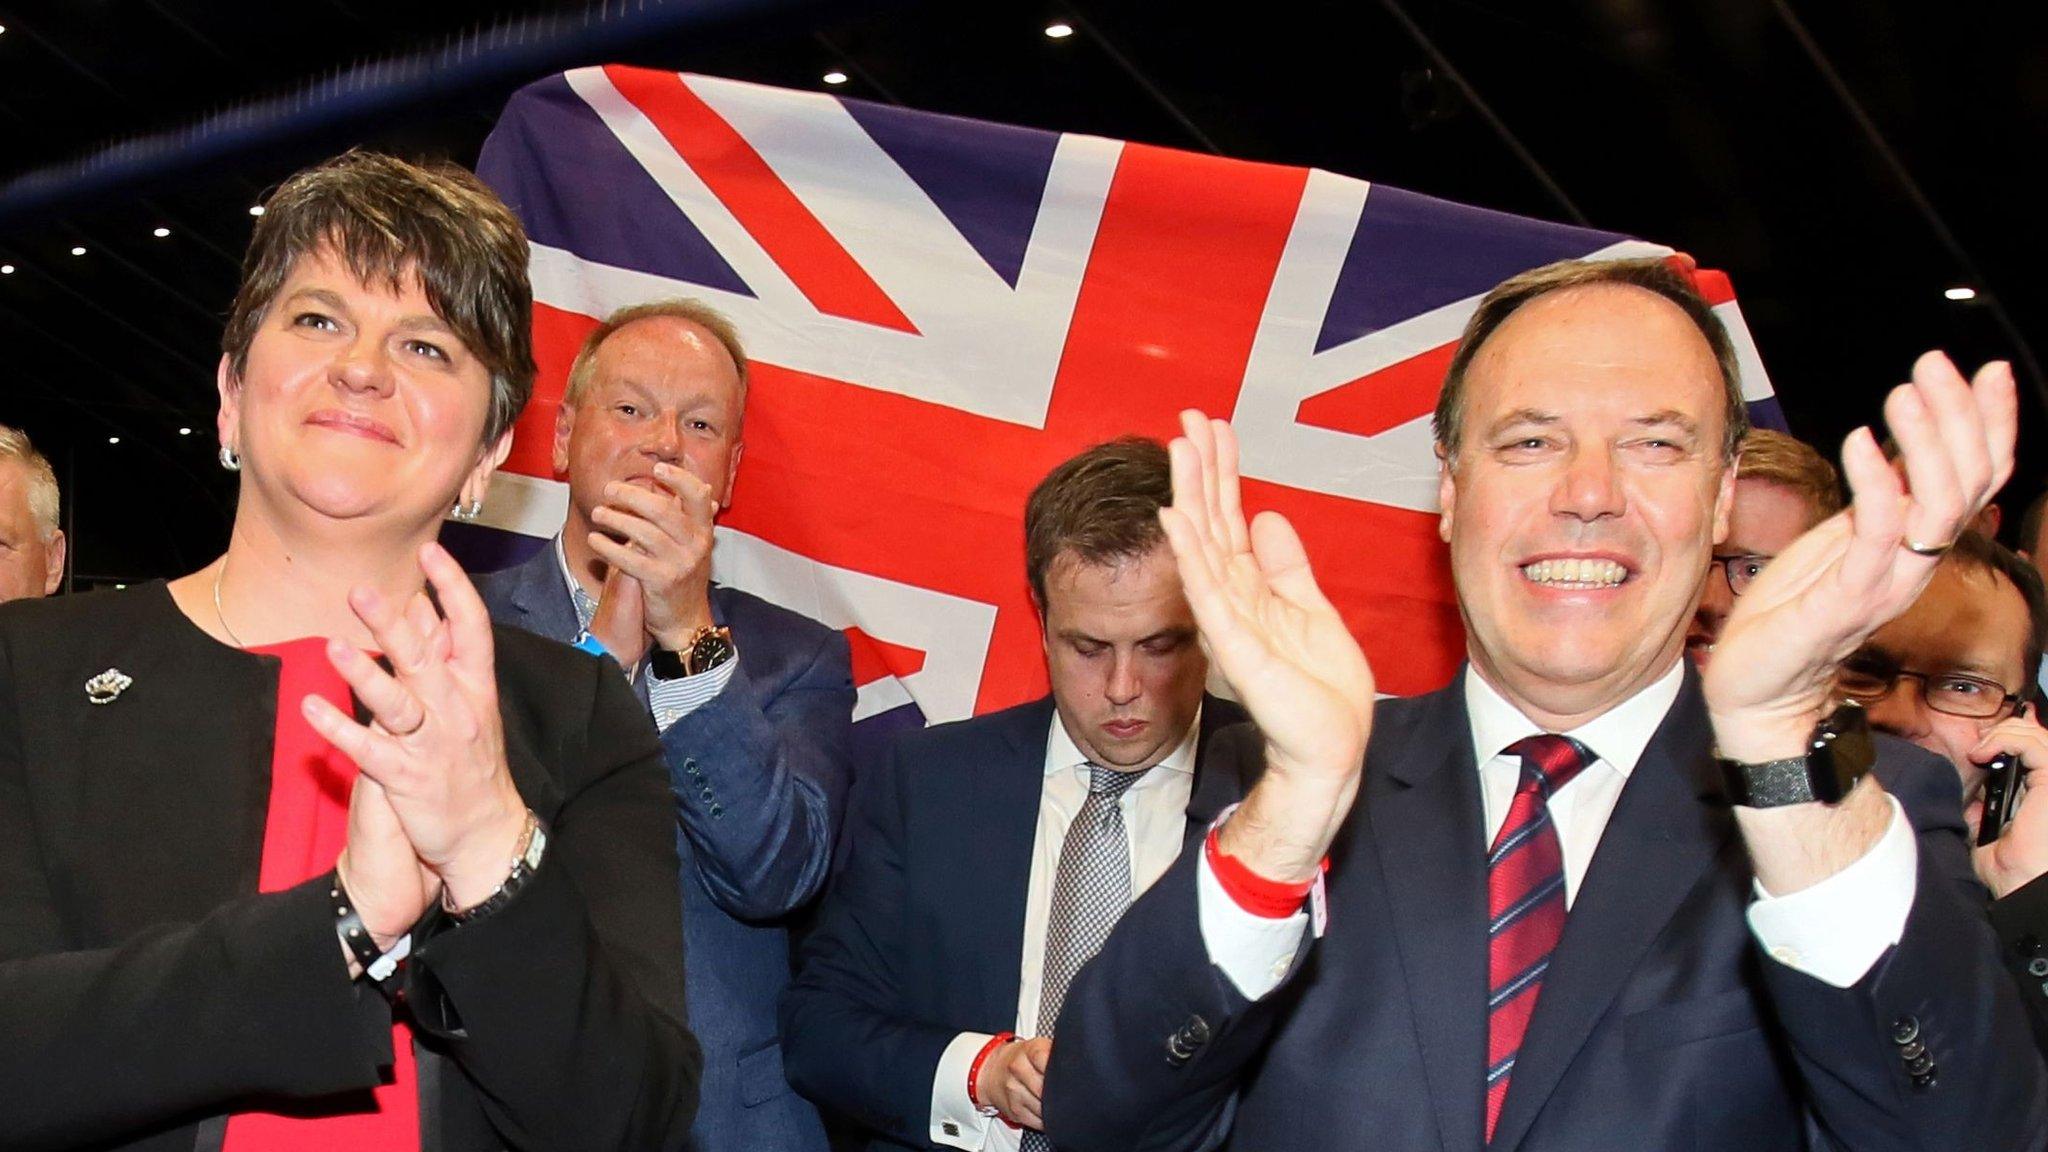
(435, 807)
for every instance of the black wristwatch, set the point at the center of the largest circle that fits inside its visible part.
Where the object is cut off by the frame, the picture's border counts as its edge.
(1838, 753)
(706, 650)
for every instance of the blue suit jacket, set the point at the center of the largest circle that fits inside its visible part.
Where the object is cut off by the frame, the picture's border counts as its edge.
(1660, 1025)
(760, 775)
(922, 935)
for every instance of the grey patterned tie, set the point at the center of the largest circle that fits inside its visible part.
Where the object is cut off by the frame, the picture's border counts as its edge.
(1089, 895)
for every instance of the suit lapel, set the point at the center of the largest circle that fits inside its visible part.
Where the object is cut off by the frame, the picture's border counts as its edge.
(540, 594)
(1659, 841)
(1422, 799)
(1002, 798)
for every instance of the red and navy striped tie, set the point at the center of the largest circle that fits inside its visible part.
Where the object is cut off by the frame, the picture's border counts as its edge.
(1525, 905)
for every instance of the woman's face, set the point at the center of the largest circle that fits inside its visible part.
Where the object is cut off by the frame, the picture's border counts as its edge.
(358, 402)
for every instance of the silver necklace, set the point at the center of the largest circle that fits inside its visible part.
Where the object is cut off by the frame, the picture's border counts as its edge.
(217, 613)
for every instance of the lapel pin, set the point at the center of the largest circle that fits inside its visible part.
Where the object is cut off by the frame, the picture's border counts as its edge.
(107, 687)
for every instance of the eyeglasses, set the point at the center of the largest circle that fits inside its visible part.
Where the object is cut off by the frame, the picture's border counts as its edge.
(1867, 679)
(1741, 569)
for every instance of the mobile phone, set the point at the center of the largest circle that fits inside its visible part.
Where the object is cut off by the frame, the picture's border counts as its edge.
(2004, 782)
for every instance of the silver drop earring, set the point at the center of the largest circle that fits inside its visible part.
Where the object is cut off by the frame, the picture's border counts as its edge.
(229, 460)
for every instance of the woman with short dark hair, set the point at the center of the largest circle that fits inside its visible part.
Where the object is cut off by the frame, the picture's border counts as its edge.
(296, 851)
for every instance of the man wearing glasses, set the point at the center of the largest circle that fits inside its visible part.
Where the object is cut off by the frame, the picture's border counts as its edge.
(1954, 675)
(1782, 488)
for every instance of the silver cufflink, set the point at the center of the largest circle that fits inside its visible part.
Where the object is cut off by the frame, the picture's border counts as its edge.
(107, 687)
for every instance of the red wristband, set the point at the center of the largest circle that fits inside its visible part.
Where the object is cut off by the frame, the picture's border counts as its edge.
(1272, 899)
(974, 1070)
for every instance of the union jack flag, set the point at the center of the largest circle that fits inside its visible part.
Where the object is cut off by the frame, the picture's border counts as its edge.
(939, 310)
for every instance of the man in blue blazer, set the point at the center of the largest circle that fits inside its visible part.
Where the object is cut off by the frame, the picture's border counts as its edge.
(753, 702)
(1585, 898)
(980, 852)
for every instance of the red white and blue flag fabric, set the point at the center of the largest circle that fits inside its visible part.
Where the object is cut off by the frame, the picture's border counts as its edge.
(939, 310)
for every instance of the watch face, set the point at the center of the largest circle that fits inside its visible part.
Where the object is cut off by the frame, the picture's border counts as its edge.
(1842, 752)
(711, 649)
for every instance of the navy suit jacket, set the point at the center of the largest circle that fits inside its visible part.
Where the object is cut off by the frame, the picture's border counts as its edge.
(922, 935)
(1660, 1024)
(760, 775)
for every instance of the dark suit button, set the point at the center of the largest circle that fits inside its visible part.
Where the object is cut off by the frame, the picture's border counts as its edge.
(1911, 1051)
(1921, 1065)
(1905, 1030)
(690, 766)
(2037, 967)
(717, 811)
(1925, 1080)
(2028, 946)
(1189, 1037)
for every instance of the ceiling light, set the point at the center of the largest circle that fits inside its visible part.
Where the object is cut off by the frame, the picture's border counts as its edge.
(3, 29)
(113, 439)
(160, 233)
(255, 209)
(78, 250)
(6, 269)
(1059, 30)
(184, 431)
(1961, 293)
(835, 77)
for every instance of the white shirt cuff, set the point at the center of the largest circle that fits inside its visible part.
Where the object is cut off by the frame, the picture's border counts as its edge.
(1837, 929)
(671, 700)
(956, 1122)
(1254, 951)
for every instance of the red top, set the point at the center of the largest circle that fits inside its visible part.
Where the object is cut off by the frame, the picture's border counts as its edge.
(303, 832)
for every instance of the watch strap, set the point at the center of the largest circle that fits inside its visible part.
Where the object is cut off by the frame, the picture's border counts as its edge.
(1772, 784)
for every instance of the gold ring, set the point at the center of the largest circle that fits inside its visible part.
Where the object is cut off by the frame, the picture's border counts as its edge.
(1929, 550)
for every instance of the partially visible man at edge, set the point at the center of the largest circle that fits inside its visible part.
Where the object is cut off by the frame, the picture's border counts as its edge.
(31, 543)
(1761, 941)
(1782, 488)
(1954, 674)
(754, 702)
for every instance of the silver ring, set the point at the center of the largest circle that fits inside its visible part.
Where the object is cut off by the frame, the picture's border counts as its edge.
(1929, 550)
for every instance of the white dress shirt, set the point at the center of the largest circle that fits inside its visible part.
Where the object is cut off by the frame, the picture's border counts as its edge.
(1155, 812)
(1833, 931)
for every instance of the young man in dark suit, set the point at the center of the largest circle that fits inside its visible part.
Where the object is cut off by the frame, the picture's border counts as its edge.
(1583, 899)
(987, 859)
(754, 702)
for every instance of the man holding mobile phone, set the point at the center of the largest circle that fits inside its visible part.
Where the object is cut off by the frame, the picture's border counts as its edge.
(1954, 675)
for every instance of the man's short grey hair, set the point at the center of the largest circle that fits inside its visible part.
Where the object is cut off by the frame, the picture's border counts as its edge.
(693, 311)
(42, 480)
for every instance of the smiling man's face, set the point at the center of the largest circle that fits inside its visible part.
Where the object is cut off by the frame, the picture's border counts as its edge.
(1587, 494)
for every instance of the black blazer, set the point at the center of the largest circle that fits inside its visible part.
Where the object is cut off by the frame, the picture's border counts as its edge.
(146, 989)
(921, 935)
(1661, 1025)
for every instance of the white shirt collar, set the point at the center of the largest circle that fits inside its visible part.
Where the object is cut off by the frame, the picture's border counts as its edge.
(1061, 753)
(1617, 736)
(585, 606)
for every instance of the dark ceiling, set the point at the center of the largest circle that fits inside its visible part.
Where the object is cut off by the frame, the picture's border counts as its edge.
(1845, 162)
